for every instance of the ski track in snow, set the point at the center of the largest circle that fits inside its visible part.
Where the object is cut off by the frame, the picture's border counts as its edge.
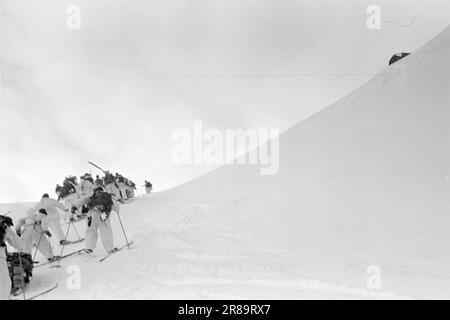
(183, 262)
(177, 256)
(175, 259)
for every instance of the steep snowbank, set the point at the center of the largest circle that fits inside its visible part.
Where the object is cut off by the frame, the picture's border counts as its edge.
(368, 174)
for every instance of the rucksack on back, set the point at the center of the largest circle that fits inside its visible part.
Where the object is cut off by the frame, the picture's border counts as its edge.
(102, 201)
(108, 179)
(20, 268)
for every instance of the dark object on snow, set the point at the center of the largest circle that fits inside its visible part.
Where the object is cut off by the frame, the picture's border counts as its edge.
(397, 57)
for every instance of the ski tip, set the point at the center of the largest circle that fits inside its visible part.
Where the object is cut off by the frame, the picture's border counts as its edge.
(43, 293)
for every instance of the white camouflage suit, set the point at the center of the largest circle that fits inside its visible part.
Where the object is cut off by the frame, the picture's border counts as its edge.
(70, 199)
(95, 224)
(111, 188)
(32, 229)
(123, 190)
(86, 187)
(53, 217)
(5, 280)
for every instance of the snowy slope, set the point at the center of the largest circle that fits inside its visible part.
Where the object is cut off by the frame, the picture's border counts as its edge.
(370, 173)
(364, 182)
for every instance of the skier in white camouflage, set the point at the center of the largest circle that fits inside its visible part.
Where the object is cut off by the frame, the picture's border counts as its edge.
(33, 232)
(100, 204)
(51, 206)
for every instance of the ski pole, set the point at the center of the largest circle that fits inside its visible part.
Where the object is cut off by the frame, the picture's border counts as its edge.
(23, 278)
(73, 224)
(62, 248)
(115, 182)
(39, 243)
(51, 250)
(123, 229)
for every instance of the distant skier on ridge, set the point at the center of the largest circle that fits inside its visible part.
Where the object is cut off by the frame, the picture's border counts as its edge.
(148, 187)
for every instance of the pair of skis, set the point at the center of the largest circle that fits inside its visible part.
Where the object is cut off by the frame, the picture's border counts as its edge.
(56, 259)
(110, 253)
(83, 251)
(40, 294)
(128, 245)
(62, 257)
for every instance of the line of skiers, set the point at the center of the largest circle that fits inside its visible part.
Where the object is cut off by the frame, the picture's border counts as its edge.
(42, 222)
(94, 199)
(117, 184)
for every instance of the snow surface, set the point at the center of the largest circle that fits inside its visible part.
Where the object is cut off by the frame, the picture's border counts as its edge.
(364, 182)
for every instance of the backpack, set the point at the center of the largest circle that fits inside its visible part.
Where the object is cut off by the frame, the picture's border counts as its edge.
(102, 201)
(5, 222)
(2, 236)
(109, 178)
(20, 267)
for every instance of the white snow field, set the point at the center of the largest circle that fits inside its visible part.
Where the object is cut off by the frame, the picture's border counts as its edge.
(365, 182)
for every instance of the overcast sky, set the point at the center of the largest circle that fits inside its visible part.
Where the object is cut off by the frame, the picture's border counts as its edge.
(115, 90)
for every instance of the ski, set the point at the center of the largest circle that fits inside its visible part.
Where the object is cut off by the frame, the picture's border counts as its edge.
(56, 259)
(116, 250)
(20, 292)
(88, 254)
(74, 242)
(43, 292)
